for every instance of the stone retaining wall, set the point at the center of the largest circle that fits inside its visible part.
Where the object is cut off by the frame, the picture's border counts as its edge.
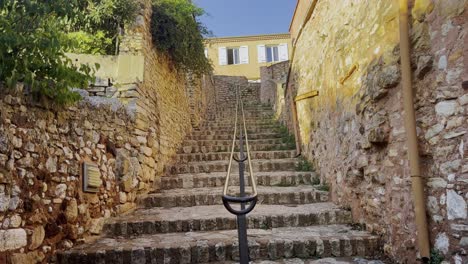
(353, 130)
(129, 135)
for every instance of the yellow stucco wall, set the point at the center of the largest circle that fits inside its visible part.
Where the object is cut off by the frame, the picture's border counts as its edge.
(340, 40)
(121, 69)
(252, 69)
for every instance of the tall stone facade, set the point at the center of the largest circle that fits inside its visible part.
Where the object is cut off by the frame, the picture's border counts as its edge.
(130, 139)
(353, 130)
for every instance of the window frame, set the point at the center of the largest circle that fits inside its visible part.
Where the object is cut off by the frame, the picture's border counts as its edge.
(235, 55)
(272, 49)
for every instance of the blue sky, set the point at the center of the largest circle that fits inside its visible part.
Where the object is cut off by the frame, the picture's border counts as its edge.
(247, 17)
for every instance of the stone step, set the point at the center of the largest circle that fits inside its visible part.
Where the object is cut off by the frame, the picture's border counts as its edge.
(229, 136)
(300, 194)
(226, 148)
(350, 260)
(248, 122)
(229, 142)
(282, 154)
(203, 247)
(222, 165)
(230, 131)
(216, 217)
(202, 180)
(231, 126)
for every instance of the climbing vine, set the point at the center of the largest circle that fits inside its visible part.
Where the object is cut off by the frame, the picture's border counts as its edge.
(176, 30)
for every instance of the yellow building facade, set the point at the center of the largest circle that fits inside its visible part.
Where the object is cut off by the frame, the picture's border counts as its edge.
(244, 55)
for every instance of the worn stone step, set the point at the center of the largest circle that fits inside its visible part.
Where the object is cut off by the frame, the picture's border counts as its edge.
(228, 142)
(231, 126)
(349, 260)
(226, 148)
(281, 154)
(203, 247)
(248, 122)
(273, 178)
(216, 166)
(300, 194)
(230, 131)
(216, 217)
(229, 136)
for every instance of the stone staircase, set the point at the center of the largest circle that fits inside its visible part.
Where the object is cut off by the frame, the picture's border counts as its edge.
(185, 221)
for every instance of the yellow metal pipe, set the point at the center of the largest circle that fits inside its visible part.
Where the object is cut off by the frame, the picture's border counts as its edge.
(412, 139)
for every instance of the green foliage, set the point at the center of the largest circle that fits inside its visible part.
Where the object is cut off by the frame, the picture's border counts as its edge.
(315, 181)
(32, 46)
(436, 257)
(287, 138)
(96, 24)
(323, 187)
(176, 31)
(88, 43)
(304, 165)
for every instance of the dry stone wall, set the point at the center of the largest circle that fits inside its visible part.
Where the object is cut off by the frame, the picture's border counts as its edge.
(42, 203)
(130, 136)
(353, 130)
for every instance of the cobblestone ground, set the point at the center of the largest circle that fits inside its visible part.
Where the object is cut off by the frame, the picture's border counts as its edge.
(185, 221)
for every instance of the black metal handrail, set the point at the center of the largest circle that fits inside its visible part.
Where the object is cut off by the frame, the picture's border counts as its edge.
(242, 199)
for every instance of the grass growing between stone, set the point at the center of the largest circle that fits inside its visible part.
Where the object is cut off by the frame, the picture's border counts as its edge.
(287, 138)
(304, 165)
(436, 257)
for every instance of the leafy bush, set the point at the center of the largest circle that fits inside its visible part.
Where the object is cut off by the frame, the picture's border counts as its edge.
(175, 30)
(96, 24)
(87, 43)
(32, 49)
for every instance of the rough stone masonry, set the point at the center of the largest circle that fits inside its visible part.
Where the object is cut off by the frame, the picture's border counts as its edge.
(353, 130)
(130, 139)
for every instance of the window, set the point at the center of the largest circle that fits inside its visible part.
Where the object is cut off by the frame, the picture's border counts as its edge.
(233, 56)
(272, 53)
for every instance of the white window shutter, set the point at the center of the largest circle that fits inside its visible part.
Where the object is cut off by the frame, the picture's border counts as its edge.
(261, 53)
(283, 52)
(206, 52)
(222, 54)
(244, 54)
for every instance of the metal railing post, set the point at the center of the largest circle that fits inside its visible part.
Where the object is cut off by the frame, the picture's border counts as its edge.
(242, 199)
(241, 219)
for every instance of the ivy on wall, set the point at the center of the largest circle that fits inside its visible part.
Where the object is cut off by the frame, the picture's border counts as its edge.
(176, 31)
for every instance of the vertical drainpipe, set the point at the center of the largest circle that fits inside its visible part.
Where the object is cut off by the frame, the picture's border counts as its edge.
(412, 139)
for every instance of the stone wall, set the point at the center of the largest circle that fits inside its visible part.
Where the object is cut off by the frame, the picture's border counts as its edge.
(353, 130)
(131, 137)
(272, 87)
(169, 102)
(225, 89)
(42, 203)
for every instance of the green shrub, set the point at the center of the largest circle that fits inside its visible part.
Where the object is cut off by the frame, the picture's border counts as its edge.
(176, 31)
(88, 43)
(96, 24)
(32, 49)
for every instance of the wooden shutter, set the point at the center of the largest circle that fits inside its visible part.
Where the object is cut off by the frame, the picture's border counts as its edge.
(283, 52)
(261, 53)
(222, 55)
(244, 54)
